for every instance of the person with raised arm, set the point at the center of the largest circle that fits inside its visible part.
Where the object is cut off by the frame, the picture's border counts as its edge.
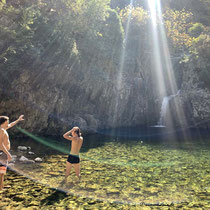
(5, 155)
(74, 135)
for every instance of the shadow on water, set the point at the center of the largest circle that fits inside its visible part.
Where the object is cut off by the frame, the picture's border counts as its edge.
(55, 197)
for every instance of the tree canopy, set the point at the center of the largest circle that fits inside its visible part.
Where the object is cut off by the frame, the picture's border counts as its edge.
(57, 32)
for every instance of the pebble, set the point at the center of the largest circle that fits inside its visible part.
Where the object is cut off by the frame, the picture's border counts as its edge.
(23, 148)
(38, 159)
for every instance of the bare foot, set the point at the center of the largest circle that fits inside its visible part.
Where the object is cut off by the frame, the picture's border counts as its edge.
(79, 179)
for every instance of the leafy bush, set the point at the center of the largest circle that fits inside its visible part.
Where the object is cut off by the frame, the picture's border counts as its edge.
(196, 29)
(200, 57)
(177, 24)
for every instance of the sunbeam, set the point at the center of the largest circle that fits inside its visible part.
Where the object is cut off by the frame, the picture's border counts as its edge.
(119, 81)
(163, 68)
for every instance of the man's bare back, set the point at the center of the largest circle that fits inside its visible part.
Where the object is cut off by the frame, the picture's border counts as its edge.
(76, 145)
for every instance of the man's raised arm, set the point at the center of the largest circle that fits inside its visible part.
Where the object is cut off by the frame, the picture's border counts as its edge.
(15, 122)
(66, 135)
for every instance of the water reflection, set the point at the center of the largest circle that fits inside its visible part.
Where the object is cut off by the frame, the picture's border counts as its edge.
(123, 135)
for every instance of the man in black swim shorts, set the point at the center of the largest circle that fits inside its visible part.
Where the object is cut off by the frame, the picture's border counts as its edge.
(74, 135)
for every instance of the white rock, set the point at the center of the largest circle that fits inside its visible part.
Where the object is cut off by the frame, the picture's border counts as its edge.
(38, 159)
(25, 160)
(23, 148)
(22, 158)
(31, 153)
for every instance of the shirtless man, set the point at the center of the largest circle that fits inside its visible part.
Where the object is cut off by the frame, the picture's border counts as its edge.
(73, 158)
(5, 155)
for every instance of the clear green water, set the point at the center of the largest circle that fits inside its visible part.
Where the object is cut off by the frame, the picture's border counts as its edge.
(128, 170)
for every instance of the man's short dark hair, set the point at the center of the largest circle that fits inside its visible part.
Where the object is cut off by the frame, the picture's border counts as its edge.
(78, 132)
(3, 119)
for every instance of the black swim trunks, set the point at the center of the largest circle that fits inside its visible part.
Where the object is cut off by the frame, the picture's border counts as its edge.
(73, 159)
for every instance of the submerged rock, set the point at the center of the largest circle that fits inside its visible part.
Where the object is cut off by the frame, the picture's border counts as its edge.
(25, 160)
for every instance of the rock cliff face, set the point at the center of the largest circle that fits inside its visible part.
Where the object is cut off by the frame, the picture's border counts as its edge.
(76, 77)
(54, 99)
(192, 106)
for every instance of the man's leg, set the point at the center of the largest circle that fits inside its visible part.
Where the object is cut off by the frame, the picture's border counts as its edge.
(68, 170)
(1, 181)
(77, 170)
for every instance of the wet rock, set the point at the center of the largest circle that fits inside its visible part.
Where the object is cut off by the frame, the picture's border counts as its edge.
(38, 159)
(25, 160)
(22, 148)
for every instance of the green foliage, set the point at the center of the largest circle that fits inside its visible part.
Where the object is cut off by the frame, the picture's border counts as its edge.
(138, 15)
(2, 3)
(135, 22)
(111, 37)
(15, 35)
(177, 24)
(53, 32)
(199, 8)
(50, 31)
(196, 29)
(200, 57)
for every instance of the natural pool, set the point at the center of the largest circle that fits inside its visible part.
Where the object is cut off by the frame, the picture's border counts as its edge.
(132, 170)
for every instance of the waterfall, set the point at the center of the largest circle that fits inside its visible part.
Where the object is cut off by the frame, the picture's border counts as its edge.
(164, 107)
